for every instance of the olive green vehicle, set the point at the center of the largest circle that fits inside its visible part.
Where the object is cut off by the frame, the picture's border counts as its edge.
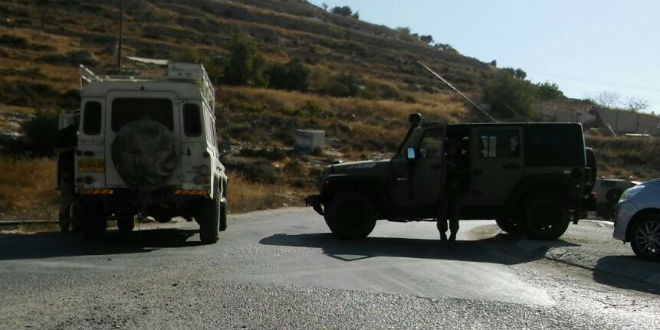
(532, 178)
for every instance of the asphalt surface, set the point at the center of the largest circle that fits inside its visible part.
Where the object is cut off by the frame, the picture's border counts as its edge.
(283, 269)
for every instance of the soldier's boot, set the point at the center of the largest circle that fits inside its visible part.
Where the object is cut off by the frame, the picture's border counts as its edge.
(63, 221)
(452, 237)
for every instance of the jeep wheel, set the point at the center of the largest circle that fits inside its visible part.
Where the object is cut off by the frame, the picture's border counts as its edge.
(126, 224)
(509, 225)
(351, 216)
(645, 237)
(208, 219)
(545, 217)
(92, 220)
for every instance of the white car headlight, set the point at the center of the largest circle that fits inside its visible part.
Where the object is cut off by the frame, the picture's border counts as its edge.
(630, 192)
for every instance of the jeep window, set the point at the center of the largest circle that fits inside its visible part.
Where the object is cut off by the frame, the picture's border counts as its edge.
(192, 120)
(554, 145)
(126, 110)
(499, 143)
(431, 145)
(92, 118)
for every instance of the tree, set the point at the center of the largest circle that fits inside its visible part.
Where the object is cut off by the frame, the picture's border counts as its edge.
(520, 74)
(493, 63)
(606, 99)
(325, 6)
(509, 71)
(509, 97)
(403, 29)
(246, 64)
(356, 15)
(445, 48)
(637, 104)
(548, 91)
(427, 39)
(344, 11)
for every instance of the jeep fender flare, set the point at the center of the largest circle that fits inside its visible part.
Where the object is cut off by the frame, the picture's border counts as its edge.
(369, 186)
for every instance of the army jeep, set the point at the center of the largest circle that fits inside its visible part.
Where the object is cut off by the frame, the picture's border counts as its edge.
(532, 178)
(147, 146)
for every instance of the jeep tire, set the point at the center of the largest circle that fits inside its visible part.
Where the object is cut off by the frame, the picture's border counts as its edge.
(208, 217)
(92, 220)
(350, 216)
(509, 225)
(126, 224)
(545, 217)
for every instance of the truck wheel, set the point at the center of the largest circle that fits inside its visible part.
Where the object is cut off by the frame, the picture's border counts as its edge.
(93, 222)
(223, 215)
(645, 238)
(126, 224)
(351, 216)
(509, 225)
(208, 218)
(545, 217)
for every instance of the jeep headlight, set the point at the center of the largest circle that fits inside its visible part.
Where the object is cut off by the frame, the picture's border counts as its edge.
(631, 192)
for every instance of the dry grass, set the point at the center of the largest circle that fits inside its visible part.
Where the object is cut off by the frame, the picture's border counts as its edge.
(623, 157)
(27, 189)
(244, 196)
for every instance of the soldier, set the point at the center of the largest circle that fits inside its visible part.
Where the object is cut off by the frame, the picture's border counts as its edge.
(456, 174)
(65, 145)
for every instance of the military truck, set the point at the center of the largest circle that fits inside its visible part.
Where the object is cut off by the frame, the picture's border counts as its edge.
(532, 178)
(147, 146)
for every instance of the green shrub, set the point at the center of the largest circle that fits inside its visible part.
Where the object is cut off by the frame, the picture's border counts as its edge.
(510, 98)
(343, 85)
(289, 76)
(548, 91)
(246, 64)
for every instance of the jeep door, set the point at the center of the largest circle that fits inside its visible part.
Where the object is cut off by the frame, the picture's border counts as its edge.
(427, 170)
(496, 164)
(130, 106)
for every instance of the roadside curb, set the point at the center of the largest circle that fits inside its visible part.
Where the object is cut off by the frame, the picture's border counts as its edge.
(26, 222)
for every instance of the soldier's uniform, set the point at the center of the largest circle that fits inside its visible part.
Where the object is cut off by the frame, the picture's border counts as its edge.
(456, 182)
(65, 143)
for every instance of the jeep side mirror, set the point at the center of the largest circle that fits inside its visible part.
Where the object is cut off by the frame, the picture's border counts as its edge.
(410, 153)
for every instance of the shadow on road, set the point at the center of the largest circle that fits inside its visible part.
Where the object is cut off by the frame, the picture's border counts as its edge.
(54, 244)
(628, 272)
(502, 248)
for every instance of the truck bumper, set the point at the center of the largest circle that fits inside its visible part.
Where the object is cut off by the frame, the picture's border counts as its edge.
(316, 202)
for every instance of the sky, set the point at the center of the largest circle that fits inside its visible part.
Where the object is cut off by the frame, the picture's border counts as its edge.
(586, 47)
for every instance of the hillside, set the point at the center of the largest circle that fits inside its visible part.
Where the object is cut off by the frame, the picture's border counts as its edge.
(43, 41)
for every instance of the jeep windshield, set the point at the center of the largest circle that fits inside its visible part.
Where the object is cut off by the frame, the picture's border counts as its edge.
(126, 110)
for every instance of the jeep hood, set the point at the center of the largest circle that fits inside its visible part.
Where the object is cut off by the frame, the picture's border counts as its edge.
(367, 166)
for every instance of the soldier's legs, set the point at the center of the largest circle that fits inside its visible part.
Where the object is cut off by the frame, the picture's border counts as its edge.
(442, 220)
(454, 215)
(66, 199)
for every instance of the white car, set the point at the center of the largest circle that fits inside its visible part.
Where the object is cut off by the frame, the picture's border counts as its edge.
(637, 219)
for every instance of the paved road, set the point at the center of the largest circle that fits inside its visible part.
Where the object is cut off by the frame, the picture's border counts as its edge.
(282, 269)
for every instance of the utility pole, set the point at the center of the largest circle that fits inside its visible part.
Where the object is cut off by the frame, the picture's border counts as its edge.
(121, 34)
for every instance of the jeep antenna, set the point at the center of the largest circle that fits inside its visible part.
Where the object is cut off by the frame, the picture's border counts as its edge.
(459, 92)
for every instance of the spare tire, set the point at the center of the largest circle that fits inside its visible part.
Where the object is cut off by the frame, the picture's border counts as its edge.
(592, 164)
(144, 153)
